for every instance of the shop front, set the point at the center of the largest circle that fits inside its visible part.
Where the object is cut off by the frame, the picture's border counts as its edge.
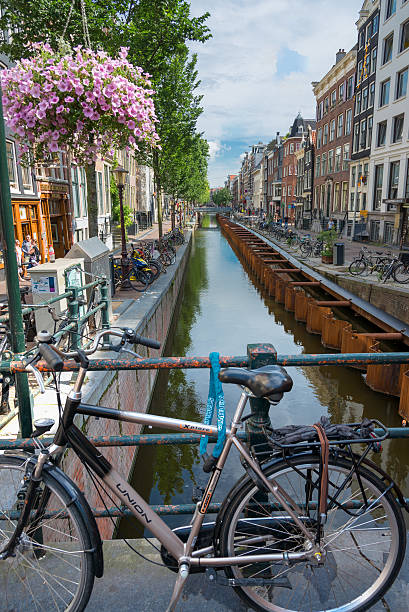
(29, 220)
(55, 206)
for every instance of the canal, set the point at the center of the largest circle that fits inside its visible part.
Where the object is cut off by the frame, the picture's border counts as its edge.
(221, 308)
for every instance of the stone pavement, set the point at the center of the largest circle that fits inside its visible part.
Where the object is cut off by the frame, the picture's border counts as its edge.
(130, 584)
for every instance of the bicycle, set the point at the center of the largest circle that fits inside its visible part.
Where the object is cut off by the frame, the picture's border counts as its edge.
(135, 278)
(311, 526)
(368, 262)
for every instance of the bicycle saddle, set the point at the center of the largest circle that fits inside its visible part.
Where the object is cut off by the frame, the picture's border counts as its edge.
(262, 382)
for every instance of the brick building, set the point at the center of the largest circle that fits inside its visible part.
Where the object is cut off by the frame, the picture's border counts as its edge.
(298, 130)
(335, 107)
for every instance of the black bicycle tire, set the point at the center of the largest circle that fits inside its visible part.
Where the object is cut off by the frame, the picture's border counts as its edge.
(357, 267)
(140, 282)
(249, 485)
(401, 266)
(76, 518)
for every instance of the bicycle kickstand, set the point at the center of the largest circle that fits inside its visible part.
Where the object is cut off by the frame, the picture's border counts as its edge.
(183, 573)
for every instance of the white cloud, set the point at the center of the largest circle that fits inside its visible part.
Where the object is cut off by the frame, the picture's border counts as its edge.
(244, 98)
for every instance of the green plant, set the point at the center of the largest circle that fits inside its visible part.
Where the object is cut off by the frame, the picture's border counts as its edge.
(328, 238)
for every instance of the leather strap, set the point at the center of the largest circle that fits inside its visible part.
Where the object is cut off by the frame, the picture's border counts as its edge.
(323, 498)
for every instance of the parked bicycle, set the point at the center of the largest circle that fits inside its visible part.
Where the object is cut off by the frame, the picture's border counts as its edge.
(312, 525)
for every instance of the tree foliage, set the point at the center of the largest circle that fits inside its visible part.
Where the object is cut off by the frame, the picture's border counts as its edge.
(223, 197)
(157, 33)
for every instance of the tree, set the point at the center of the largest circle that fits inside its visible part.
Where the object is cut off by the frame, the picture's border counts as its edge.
(223, 197)
(156, 32)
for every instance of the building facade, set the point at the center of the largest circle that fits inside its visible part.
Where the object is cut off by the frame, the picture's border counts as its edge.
(335, 106)
(305, 178)
(366, 62)
(291, 145)
(388, 185)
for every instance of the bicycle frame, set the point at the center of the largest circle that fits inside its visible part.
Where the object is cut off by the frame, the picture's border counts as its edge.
(182, 552)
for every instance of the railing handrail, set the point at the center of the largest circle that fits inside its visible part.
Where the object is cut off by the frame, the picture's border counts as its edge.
(167, 363)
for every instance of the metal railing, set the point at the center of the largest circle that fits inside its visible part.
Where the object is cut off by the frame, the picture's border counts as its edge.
(258, 355)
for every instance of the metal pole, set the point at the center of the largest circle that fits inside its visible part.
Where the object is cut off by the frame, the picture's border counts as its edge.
(12, 282)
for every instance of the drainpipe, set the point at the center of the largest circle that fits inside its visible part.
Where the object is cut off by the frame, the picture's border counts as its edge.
(13, 287)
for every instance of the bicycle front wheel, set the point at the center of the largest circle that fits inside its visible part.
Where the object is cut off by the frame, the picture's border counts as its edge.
(53, 567)
(364, 539)
(357, 267)
(401, 274)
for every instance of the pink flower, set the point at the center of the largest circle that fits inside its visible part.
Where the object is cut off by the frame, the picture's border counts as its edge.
(79, 90)
(54, 99)
(53, 146)
(40, 114)
(60, 109)
(69, 99)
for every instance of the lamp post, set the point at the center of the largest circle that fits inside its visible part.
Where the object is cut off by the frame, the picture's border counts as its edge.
(120, 177)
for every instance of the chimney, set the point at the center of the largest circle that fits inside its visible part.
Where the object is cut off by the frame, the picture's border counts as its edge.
(338, 57)
(278, 138)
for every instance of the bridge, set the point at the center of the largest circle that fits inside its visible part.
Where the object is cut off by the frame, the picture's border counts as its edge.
(213, 209)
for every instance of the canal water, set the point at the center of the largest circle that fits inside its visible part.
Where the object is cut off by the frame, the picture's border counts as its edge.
(221, 308)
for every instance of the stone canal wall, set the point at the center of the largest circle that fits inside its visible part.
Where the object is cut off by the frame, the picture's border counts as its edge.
(151, 315)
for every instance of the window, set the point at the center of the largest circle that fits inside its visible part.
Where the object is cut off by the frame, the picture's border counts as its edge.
(330, 161)
(324, 164)
(342, 91)
(107, 187)
(393, 180)
(340, 125)
(369, 31)
(333, 97)
(375, 24)
(384, 92)
(332, 130)
(374, 231)
(370, 126)
(75, 191)
(402, 83)
(381, 134)
(388, 232)
(362, 140)
(407, 180)
(326, 104)
(352, 202)
(378, 186)
(358, 104)
(404, 37)
(319, 138)
(359, 72)
(365, 99)
(387, 49)
(373, 63)
(83, 188)
(367, 66)
(390, 8)
(397, 128)
(337, 159)
(317, 166)
(371, 94)
(289, 190)
(325, 137)
(291, 148)
(353, 173)
(344, 196)
(27, 178)
(321, 110)
(350, 87)
(100, 193)
(356, 137)
(361, 38)
(11, 165)
(345, 159)
(348, 122)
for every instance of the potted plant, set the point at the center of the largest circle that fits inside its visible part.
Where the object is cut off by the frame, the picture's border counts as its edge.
(328, 238)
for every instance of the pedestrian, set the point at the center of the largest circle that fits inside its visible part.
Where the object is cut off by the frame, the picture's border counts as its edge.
(27, 249)
(19, 257)
(330, 224)
(35, 256)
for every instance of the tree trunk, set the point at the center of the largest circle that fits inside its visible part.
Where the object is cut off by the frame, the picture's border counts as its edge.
(172, 214)
(92, 200)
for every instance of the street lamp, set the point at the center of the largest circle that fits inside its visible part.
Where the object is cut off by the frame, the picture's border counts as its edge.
(120, 178)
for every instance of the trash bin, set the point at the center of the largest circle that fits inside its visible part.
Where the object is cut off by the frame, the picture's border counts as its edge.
(338, 254)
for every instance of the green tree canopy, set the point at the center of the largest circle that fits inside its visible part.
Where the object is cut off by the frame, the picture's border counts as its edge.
(223, 197)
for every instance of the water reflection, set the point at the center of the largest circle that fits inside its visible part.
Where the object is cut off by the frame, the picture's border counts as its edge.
(223, 309)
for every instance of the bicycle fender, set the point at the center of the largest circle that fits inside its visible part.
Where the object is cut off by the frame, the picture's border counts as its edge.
(83, 507)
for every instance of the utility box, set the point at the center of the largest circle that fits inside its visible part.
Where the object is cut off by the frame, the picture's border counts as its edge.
(96, 257)
(338, 254)
(48, 280)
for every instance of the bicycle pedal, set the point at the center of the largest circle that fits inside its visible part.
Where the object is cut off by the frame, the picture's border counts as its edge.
(197, 494)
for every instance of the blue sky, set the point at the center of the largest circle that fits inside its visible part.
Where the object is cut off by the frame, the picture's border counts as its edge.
(257, 70)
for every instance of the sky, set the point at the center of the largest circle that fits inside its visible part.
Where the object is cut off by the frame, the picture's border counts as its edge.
(256, 70)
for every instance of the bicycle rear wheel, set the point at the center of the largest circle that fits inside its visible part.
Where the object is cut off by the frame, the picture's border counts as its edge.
(52, 568)
(357, 267)
(364, 542)
(138, 279)
(401, 274)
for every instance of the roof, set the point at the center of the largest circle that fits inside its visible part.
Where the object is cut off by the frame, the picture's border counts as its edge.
(299, 122)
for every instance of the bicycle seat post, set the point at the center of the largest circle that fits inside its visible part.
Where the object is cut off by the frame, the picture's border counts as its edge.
(259, 355)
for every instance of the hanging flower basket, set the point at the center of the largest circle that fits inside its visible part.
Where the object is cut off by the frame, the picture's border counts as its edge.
(88, 102)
